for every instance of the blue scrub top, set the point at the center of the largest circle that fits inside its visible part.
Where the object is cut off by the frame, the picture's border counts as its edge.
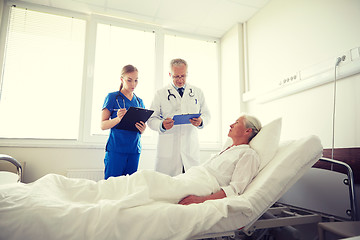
(119, 140)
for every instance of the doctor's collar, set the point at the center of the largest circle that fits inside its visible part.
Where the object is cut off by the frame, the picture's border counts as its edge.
(177, 87)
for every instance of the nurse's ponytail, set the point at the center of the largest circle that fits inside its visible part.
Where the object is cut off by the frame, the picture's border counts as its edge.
(125, 70)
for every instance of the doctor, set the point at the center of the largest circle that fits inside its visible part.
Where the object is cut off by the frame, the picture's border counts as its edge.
(178, 145)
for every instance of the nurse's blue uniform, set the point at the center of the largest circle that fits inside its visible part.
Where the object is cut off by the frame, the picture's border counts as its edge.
(123, 147)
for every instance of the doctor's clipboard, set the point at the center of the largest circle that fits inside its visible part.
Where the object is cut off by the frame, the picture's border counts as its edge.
(184, 118)
(132, 116)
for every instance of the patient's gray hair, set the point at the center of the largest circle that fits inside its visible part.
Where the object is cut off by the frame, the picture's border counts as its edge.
(253, 123)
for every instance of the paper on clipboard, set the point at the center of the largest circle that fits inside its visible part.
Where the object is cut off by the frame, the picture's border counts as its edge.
(184, 118)
(132, 116)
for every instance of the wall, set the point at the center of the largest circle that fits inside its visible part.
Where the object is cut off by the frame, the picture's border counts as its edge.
(231, 77)
(41, 161)
(1, 9)
(289, 36)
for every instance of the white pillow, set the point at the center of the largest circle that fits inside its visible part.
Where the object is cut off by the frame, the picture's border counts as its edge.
(266, 142)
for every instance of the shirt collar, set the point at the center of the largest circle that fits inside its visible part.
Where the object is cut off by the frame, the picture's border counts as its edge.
(177, 87)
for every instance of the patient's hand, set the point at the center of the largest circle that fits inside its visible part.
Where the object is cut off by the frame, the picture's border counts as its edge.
(192, 199)
(200, 199)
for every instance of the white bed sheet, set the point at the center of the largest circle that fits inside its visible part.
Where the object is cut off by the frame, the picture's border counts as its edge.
(42, 210)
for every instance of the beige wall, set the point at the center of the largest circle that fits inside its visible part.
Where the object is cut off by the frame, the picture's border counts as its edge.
(1, 8)
(231, 77)
(289, 36)
(41, 161)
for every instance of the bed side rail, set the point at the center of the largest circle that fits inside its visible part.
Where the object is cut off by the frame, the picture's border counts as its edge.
(353, 212)
(16, 163)
(328, 190)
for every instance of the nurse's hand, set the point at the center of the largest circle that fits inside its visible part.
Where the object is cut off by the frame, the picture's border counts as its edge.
(141, 126)
(196, 121)
(121, 112)
(168, 123)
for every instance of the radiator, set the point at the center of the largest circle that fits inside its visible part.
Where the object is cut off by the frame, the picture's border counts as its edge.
(92, 174)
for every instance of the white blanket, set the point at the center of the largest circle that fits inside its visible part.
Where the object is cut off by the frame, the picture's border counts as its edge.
(56, 207)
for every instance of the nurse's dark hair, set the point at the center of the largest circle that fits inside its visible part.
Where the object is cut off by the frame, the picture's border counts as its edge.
(253, 123)
(125, 70)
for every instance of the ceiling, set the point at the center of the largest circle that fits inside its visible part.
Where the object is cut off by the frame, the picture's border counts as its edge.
(200, 17)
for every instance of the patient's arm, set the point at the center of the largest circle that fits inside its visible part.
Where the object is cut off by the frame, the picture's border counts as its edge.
(200, 199)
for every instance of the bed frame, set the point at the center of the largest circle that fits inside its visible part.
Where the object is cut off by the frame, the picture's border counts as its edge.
(15, 165)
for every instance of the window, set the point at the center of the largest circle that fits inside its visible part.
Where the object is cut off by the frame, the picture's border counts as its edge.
(58, 69)
(42, 76)
(202, 59)
(115, 48)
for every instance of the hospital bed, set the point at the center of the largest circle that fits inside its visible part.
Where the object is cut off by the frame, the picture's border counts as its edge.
(321, 195)
(285, 164)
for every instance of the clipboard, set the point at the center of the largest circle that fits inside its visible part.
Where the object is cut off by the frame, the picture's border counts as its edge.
(132, 116)
(184, 118)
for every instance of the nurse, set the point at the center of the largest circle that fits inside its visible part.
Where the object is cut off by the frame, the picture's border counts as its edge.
(123, 147)
(178, 145)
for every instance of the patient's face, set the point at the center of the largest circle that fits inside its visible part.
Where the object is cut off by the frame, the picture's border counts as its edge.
(237, 129)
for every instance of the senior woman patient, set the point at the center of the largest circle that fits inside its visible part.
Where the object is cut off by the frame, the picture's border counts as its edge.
(234, 167)
(226, 174)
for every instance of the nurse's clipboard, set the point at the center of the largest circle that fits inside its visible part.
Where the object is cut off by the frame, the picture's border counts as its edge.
(132, 116)
(184, 118)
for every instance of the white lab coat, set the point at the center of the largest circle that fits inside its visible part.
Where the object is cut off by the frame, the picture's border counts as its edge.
(178, 146)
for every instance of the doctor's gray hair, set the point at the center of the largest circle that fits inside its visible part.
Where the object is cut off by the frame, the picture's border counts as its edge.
(253, 123)
(177, 61)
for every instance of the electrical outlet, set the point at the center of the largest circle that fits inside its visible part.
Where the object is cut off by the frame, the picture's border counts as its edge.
(290, 79)
(345, 57)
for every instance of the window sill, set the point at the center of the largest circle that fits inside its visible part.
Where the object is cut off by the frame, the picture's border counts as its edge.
(60, 143)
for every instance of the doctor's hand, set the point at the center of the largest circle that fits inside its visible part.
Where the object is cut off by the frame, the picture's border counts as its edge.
(121, 112)
(141, 126)
(196, 121)
(168, 123)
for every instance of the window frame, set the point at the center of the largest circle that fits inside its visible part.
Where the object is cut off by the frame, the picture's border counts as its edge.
(85, 139)
(93, 22)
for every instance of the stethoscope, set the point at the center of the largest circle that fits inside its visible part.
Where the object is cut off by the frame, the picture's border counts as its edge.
(191, 94)
(117, 100)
